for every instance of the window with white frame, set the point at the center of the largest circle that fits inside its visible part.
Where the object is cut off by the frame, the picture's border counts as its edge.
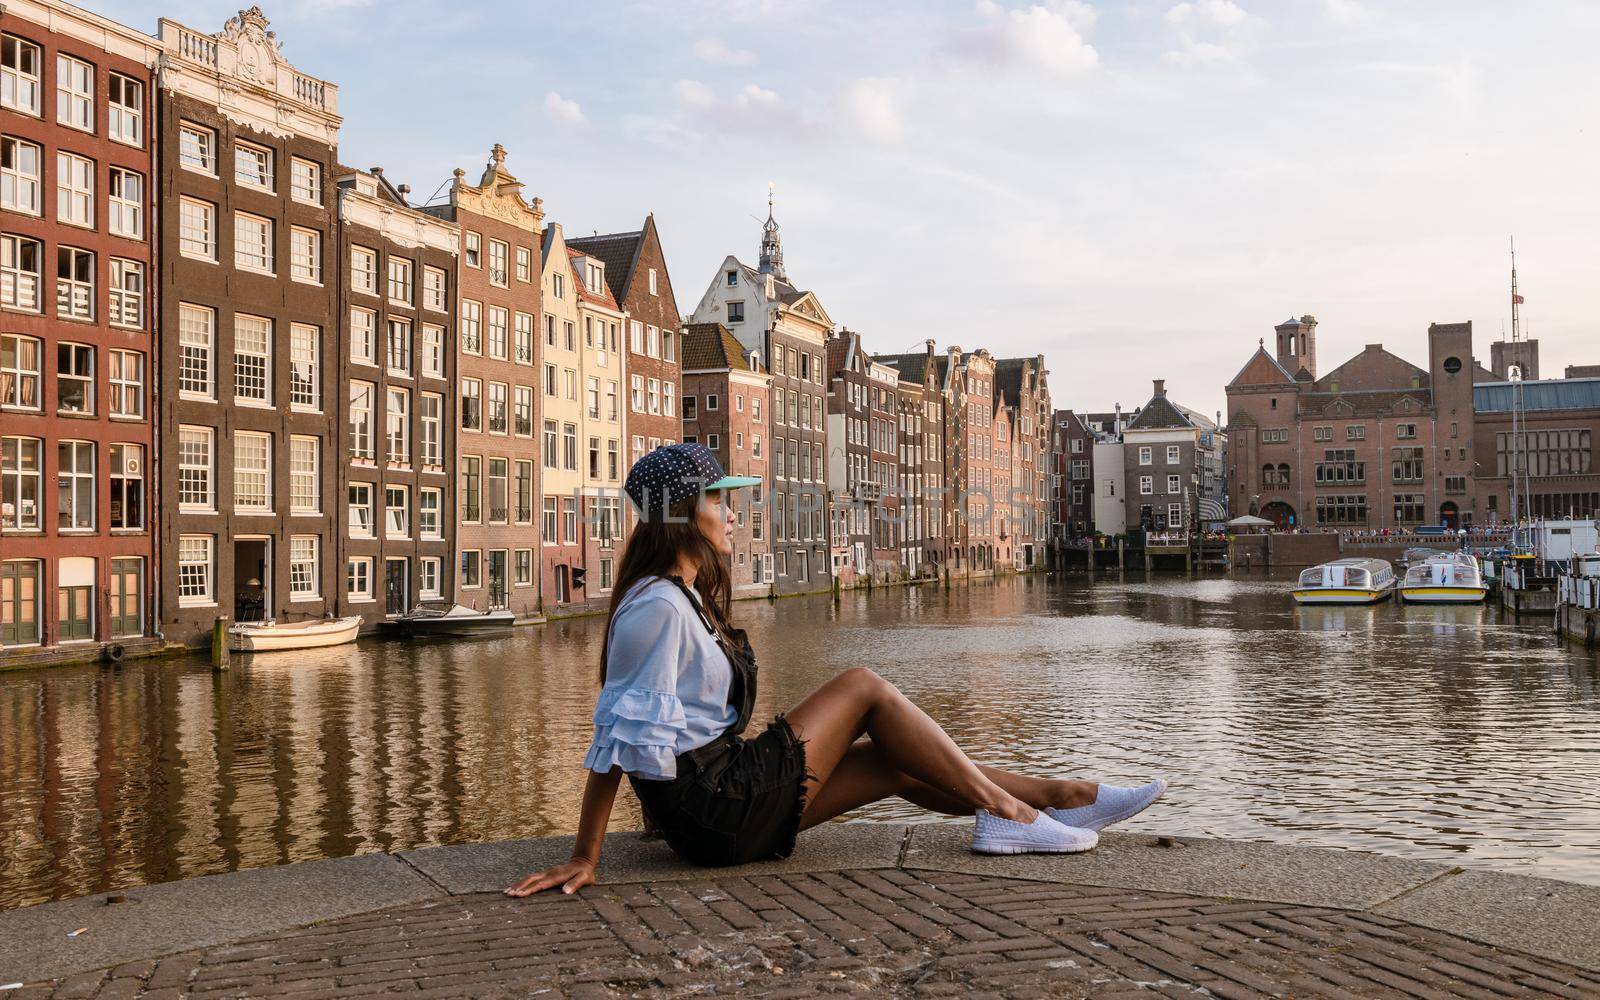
(396, 512)
(126, 299)
(305, 480)
(360, 504)
(125, 203)
(1147, 485)
(305, 363)
(197, 229)
(197, 148)
(471, 404)
(524, 264)
(21, 272)
(653, 281)
(430, 420)
(127, 487)
(550, 388)
(21, 176)
(361, 422)
(252, 359)
(74, 189)
(523, 572)
(653, 394)
(196, 490)
(471, 489)
(252, 472)
(498, 416)
(74, 283)
(197, 327)
(252, 243)
(305, 180)
(558, 285)
(498, 252)
(305, 255)
(304, 567)
(21, 483)
(397, 427)
(550, 444)
(430, 512)
(433, 288)
(19, 75)
(194, 570)
(522, 411)
(358, 579)
(636, 337)
(428, 577)
(1174, 484)
(75, 486)
(397, 347)
(471, 569)
(471, 329)
(74, 93)
(524, 339)
(611, 400)
(400, 280)
(499, 318)
(1175, 517)
(669, 405)
(124, 381)
(252, 165)
(74, 378)
(432, 359)
(473, 256)
(1146, 455)
(1173, 452)
(363, 270)
(652, 341)
(363, 336)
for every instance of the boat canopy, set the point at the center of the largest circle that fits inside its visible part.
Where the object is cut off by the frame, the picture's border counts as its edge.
(1362, 574)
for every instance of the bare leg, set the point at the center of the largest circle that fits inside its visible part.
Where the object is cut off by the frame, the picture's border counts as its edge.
(859, 701)
(866, 774)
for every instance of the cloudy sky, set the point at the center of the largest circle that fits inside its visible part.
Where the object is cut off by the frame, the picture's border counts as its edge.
(1134, 189)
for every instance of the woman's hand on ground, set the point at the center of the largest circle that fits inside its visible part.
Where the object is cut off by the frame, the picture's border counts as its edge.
(571, 877)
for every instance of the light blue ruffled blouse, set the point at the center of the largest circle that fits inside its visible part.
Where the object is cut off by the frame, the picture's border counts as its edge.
(666, 688)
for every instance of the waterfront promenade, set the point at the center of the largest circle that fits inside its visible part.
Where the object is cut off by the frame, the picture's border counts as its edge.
(894, 909)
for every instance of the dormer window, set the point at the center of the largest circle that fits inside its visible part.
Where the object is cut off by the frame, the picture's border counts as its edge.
(733, 279)
(366, 185)
(596, 277)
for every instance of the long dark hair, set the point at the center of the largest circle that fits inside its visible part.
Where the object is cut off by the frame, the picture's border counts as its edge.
(653, 549)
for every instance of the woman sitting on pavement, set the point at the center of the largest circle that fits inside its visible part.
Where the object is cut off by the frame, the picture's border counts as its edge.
(679, 682)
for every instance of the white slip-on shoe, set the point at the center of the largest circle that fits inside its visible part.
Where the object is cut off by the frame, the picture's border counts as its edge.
(996, 835)
(1112, 804)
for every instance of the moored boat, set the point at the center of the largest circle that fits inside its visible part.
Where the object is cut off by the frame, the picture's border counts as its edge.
(1346, 581)
(273, 636)
(1446, 578)
(458, 621)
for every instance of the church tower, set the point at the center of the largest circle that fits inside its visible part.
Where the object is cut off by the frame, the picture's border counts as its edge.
(1297, 344)
(771, 244)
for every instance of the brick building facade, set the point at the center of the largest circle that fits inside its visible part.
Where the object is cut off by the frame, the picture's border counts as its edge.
(76, 348)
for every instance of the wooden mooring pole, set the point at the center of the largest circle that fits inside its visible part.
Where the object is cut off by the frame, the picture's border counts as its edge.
(219, 643)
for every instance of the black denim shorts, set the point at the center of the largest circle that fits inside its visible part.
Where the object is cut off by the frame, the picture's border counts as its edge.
(734, 801)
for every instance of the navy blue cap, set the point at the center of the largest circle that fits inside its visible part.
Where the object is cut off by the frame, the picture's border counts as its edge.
(674, 472)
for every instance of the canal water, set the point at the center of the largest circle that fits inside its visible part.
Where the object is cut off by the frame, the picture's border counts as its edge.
(1451, 734)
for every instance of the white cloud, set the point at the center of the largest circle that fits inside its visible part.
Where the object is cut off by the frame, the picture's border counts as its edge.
(1218, 13)
(1037, 36)
(871, 106)
(1346, 12)
(1198, 54)
(562, 110)
(717, 52)
(693, 94)
(753, 96)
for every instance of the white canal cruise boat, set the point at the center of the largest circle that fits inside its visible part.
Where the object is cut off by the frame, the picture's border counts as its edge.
(1346, 581)
(1445, 578)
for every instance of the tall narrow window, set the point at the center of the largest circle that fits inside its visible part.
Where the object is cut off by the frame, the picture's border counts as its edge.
(305, 255)
(252, 243)
(400, 280)
(498, 416)
(397, 427)
(305, 389)
(252, 472)
(125, 122)
(197, 229)
(364, 336)
(74, 93)
(21, 176)
(20, 483)
(432, 350)
(196, 340)
(127, 487)
(496, 498)
(19, 75)
(197, 148)
(195, 488)
(396, 512)
(433, 289)
(497, 332)
(252, 359)
(360, 504)
(74, 190)
(194, 570)
(305, 568)
(252, 165)
(471, 327)
(398, 347)
(363, 270)
(125, 383)
(125, 212)
(497, 263)
(471, 489)
(361, 422)
(74, 378)
(430, 409)
(74, 283)
(305, 480)
(126, 299)
(522, 420)
(471, 404)
(305, 180)
(20, 371)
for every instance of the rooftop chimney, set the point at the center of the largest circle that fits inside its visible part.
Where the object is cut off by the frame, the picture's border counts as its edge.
(1161, 386)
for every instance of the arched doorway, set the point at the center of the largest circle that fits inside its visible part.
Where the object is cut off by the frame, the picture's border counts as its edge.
(1280, 514)
(1450, 515)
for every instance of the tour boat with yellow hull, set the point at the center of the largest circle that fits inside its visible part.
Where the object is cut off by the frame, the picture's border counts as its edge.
(1346, 581)
(1447, 578)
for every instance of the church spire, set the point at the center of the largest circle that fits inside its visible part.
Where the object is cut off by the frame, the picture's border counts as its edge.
(771, 244)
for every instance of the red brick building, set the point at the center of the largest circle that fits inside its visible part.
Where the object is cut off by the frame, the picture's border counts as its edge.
(724, 407)
(77, 499)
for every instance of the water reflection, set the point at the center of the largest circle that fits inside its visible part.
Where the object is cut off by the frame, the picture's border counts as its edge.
(1437, 732)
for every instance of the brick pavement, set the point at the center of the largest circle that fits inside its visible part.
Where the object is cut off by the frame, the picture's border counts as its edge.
(898, 932)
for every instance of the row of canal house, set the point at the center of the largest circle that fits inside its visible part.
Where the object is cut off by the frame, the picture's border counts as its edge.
(266, 384)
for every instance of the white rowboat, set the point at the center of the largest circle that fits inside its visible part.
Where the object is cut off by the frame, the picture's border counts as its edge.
(269, 636)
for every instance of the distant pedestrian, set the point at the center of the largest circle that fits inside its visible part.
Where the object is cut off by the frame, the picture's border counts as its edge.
(679, 685)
